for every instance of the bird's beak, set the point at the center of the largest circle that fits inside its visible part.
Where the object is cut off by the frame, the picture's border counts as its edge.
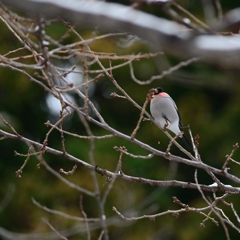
(155, 91)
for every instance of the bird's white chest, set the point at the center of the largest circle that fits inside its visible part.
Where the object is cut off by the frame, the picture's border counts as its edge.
(164, 112)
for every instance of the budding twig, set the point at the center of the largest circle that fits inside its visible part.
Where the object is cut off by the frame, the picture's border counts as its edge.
(229, 156)
(148, 99)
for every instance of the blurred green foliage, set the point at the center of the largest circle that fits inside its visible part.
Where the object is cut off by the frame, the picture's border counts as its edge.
(208, 100)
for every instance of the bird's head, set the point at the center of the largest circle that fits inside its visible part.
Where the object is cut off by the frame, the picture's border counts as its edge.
(158, 90)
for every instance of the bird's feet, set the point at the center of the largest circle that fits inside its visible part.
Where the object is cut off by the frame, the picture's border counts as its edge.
(165, 126)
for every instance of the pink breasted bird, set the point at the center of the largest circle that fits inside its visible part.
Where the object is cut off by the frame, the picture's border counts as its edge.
(165, 113)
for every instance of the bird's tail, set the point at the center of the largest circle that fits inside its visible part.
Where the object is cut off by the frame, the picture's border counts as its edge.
(186, 142)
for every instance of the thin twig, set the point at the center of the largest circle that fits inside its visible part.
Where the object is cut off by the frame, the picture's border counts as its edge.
(112, 180)
(148, 99)
(64, 180)
(7, 197)
(164, 73)
(198, 21)
(120, 149)
(52, 128)
(235, 147)
(171, 143)
(9, 125)
(69, 173)
(219, 10)
(85, 217)
(58, 234)
(19, 171)
(79, 136)
(59, 213)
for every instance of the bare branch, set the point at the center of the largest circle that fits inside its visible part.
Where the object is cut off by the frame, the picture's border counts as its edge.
(164, 73)
(171, 36)
(68, 183)
(229, 157)
(107, 173)
(148, 99)
(19, 171)
(7, 197)
(46, 209)
(58, 234)
(85, 217)
(69, 173)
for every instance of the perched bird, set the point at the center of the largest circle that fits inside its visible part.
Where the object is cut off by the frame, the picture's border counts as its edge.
(165, 113)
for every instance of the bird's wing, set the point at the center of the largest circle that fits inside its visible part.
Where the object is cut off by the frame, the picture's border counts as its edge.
(180, 124)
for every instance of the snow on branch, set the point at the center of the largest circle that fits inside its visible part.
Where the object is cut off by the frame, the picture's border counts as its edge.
(163, 34)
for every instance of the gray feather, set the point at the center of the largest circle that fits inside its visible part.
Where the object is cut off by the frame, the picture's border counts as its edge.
(165, 113)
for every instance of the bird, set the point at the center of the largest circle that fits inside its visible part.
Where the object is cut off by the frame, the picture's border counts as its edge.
(165, 112)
